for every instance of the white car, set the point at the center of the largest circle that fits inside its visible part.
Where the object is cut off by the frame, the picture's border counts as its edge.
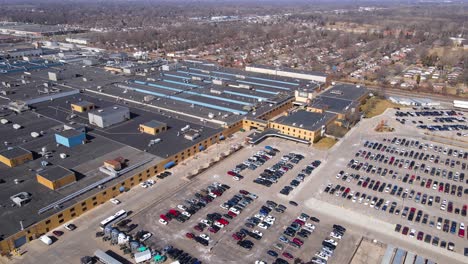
(259, 216)
(144, 185)
(310, 226)
(412, 233)
(252, 195)
(331, 241)
(262, 225)
(335, 235)
(439, 225)
(258, 233)
(150, 182)
(182, 207)
(303, 219)
(234, 210)
(321, 255)
(114, 201)
(70, 227)
(224, 206)
(218, 224)
(162, 221)
(206, 222)
(462, 226)
(205, 236)
(260, 262)
(145, 236)
(187, 214)
(236, 178)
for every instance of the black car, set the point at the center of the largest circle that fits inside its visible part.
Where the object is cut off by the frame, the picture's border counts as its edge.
(272, 253)
(293, 203)
(247, 244)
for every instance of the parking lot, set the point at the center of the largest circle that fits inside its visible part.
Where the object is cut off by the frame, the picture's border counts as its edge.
(250, 199)
(222, 246)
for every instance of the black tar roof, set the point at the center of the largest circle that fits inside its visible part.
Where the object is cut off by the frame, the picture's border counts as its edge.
(154, 123)
(83, 103)
(70, 133)
(332, 104)
(306, 120)
(346, 91)
(54, 173)
(14, 152)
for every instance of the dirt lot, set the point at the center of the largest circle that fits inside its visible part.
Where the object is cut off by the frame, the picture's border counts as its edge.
(368, 253)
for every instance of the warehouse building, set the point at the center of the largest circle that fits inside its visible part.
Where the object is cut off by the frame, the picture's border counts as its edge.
(15, 156)
(153, 127)
(303, 124)
(55, 177)
(70, 138)
(289, 72)
(109, 116)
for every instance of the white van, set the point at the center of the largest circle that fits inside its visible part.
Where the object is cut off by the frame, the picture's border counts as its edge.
(46, 239)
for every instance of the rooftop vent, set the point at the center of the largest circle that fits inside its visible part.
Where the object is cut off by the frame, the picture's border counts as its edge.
(21, 198)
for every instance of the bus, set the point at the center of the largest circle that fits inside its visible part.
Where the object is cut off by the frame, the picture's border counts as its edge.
(105, 258)
(113, 218)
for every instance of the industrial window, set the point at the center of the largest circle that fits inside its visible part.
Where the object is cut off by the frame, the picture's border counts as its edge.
(61, 221)
(60, 215)
(132, 184)
(131, 179)
(123, 183)
(147, 171)
(84, 209)
(47, 229)
(140, 180)
(47, 222)
(157, 130)
(83, 203)
(104, 193)
(30, 238)
(95, 203)
(114, 188)
(94, 198)
(72, 209)
(73, 215)
(155, 168)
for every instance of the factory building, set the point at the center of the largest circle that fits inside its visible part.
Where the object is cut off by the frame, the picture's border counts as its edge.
(15, 156)
(56, 177)
(302, 124)
(288, 72)
(70, 138)
(153, 127)
(109, 116)
(82, 106)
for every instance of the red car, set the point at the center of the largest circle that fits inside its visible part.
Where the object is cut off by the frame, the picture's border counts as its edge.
(232, 214)
(174, 212)
(232, 173)
(420, 235)
(463, 212)
(243, 192)
(405, 230)
(165, 218)
(57, 233)
(461, 233)
(198, 228)
(301, 223)
(190, 235)
(441, 187)
(429, 183)
(213, 229)
(223, 221)
(287, 255)
(298, 241)
(238, 236)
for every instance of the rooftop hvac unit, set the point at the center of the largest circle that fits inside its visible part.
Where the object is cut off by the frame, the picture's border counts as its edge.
(16, 126)
(185, 128)
(211, 115)
(4, 121)
(35, 134)
(63, 155)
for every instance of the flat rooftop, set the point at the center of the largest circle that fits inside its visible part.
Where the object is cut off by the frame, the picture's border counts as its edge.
(14, 152)
(54, 173)
(84, 160)
(345, 91)
(154, 123)
(69, 133)
(333, 104)
(306, 120)
(286, 69)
